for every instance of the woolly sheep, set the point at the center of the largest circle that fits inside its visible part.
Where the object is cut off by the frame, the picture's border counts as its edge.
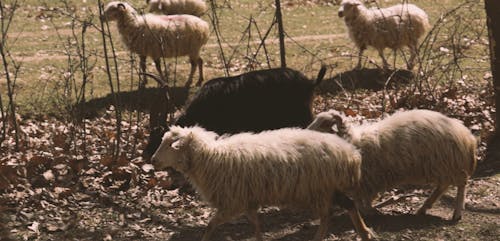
(411, 147)
(254, 101)
(169, 7)
(288, 167)
(158, 36)
(393, 27)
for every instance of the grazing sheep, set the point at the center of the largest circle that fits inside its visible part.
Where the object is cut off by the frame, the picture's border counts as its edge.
(412, 147)
(393, 27)
(254, 101)
(288, 167)
(158, 36)
(169, 7)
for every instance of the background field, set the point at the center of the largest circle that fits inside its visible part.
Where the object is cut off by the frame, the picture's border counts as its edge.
(74, 179)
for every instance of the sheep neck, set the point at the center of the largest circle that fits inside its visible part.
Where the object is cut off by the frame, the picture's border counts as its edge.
(202, 154)
(127, 21)
(363, 17)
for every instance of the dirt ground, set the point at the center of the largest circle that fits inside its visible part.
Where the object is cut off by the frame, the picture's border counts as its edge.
(67, 197)
(63, 185)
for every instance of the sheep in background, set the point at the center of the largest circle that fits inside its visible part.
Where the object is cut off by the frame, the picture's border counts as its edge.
(169, 7)
(254, 101)
(393, 27)
(288, 167)
(158, 36)
(412, 147)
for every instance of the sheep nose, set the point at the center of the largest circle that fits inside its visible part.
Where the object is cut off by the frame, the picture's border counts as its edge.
(341, 14)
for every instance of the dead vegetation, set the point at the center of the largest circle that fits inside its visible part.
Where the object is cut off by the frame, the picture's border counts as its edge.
(69, 174)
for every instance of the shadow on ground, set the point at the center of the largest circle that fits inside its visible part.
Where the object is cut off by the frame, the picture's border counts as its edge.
(370, 79)
(298, 226)
(143, 100)
(491, 163)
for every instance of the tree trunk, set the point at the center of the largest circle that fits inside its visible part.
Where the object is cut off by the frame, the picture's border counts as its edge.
(493, 23)
(281, 33)
(492, 160)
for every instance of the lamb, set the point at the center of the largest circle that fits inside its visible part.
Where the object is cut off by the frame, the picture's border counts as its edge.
(393, 27)
(288, 167)
(413, 147)
(254, 101)
(158, 36)
(169, 7)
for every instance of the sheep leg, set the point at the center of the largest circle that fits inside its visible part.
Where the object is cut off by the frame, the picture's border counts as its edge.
(356, 219)
(252, 217)
(360, 226)
(200, 71)
(413, 55)
(460, 205)
(324, 221)
(218, 219)
(142, 64)
(432, 199)
(158, 68)
(364, 205)
(191, 74)
(384, 61)
(360, 56)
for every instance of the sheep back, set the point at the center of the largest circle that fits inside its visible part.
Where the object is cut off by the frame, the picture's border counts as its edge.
(286, 167)
(254, 101)
(169, 7)
(414, 147)
(251, 102)
(159, 36)
(392, 27)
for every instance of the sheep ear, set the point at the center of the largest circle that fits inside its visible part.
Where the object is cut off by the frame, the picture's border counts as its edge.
(326, 125)
(121, 6)
(338, 120)
(184, 141)
(177, 145)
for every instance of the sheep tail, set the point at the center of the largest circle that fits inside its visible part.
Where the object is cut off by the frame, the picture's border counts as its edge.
(321, 75)
(473, 164)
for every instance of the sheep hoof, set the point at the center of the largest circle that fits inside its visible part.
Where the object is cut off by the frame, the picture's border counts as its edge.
(421, 211)
(372, 235)
(456, 217)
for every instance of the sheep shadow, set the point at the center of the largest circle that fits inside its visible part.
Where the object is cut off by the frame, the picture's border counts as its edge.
(300, 227)
(399, 222)
(369, 79)
(490, 165)
(146, 100)
(240, 229)
(270, 221)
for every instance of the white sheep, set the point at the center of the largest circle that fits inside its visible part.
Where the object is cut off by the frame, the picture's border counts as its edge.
(287, 167)
(393, 27)
(169, 7)
(412, 147)
(158, 36)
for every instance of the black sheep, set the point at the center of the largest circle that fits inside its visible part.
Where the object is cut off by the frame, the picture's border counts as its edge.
(250, 102)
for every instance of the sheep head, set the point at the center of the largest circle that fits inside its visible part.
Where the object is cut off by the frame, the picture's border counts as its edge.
(154, 141)
(115, 10)
(174, 150)
(348, 7)
(156, 3)
(328, 121)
